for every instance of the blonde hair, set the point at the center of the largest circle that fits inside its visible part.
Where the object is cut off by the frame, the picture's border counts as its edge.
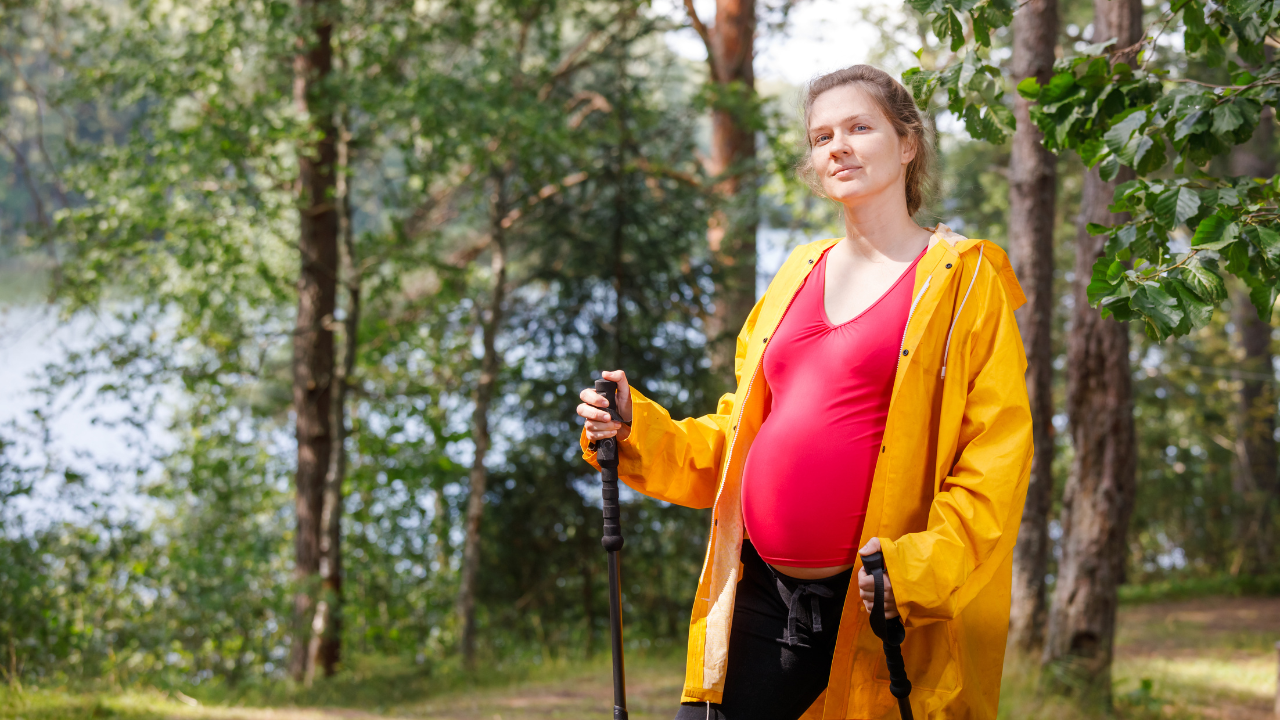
(898, 106)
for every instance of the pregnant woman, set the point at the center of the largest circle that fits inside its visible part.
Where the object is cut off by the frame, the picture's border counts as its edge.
(880, 406)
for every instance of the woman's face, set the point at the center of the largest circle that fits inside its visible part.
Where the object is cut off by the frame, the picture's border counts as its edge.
(856, 153)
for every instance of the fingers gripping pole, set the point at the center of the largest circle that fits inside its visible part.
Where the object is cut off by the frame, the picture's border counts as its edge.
(607, 456)
(891, 634)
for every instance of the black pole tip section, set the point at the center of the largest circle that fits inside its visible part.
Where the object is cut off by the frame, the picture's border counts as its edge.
(612, 543)
(619, 713)
(891, 633)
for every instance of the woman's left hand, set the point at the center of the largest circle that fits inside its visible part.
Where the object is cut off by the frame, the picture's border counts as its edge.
(867, 584)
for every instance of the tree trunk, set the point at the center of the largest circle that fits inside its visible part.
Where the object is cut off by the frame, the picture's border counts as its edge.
(489, 366)
(1098, 499)
(1255, 478)
(1032, 196)
(317, 292)
(440, 523)
(731, 232)
(326, 628)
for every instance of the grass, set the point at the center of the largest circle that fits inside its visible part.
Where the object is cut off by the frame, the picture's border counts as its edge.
(1175, 660)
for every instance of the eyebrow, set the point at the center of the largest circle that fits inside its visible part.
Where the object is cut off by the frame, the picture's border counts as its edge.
(851, 118)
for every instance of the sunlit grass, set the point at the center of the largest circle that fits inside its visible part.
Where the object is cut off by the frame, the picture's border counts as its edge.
(1179, 661)
(1205, 680)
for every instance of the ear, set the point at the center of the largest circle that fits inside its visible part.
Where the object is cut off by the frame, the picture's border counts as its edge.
(909, 147)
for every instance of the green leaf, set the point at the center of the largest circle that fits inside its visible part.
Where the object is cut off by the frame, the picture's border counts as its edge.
(1192, 123)
(1096, 229)
(1029, 88)
(1109, 168)
(1263, 295)
(1091, 150)
(1174, 206)
(1099, 286)
(1205, 282)
(1226, 117)
(956, 30)
(1196, 310)
(1060, 86)
(1117, 138)
(1115, 271)
(1268, 241)
(981, 32)
(1159, 308)
(1214, 233)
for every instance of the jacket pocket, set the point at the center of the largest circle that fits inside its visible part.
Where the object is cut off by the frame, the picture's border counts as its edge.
(929, 653)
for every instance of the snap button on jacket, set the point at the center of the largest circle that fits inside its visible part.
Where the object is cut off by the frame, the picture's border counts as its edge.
(946, 498)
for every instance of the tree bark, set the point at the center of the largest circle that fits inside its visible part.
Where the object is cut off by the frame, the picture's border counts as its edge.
(326, 628)
(731, 231)
(1098, 499)
(489, 366)
(1255, 478)
(313, 350)
(1032, 197)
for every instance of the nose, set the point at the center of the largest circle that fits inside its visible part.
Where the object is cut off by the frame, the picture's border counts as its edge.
(839, 145)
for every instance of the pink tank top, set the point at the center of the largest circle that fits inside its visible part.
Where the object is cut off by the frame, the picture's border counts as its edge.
(808, 472)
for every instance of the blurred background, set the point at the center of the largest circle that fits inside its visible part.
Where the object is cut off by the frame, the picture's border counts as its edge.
(296, 301)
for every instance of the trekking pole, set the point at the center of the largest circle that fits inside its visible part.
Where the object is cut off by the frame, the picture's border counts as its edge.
(607, 456)
(891, 633)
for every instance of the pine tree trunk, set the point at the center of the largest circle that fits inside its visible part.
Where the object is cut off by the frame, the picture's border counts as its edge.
(731, 232)
(489, 366)
(313, 350)
(1098, 499)
(1255, 478)
(1032, 197)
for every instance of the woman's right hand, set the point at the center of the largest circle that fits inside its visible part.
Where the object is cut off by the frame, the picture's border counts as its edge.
(594, 410)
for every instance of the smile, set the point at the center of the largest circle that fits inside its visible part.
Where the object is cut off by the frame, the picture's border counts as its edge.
(845, 172)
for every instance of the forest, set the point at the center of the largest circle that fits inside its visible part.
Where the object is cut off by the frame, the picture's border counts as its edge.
(297, 300)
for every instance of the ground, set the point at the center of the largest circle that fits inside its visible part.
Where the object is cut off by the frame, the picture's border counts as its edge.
(1203, 658)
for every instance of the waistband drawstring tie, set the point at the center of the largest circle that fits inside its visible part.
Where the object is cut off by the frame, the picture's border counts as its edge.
(794, 608)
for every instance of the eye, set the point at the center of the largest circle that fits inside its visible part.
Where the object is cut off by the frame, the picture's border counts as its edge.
(861, 127)
(822, 137)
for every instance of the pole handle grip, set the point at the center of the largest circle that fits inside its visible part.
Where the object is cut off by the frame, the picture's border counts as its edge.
(607, 456)
(609, 389)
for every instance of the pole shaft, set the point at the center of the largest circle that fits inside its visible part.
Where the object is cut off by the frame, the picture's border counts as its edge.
(615, 633)
(607, 457)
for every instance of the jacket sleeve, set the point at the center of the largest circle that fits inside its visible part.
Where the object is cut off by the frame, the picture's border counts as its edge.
(677, 461)
(973, 520)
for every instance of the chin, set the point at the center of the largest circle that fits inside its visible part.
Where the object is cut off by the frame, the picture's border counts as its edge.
(846, 195)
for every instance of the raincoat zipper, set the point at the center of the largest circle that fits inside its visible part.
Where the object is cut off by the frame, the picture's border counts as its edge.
(910, 312)
(728, 460)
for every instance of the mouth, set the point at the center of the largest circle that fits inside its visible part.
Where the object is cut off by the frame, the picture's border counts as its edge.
(845, 172)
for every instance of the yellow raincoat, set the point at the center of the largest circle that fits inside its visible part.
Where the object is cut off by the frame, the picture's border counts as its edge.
(946, 498)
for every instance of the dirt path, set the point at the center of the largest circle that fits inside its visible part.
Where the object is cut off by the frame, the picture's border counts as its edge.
(1215, 657)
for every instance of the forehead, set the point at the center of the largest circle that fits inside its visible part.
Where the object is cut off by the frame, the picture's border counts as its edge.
(842, 102)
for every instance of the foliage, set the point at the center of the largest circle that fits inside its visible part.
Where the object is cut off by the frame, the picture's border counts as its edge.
(1114, 114)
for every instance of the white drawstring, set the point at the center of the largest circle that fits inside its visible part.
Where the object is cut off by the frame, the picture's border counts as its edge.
(955, 317)
(708, 710)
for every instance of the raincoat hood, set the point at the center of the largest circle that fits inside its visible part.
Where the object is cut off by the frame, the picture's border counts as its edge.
(946, 497)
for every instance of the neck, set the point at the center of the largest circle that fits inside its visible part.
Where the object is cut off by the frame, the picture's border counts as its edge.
(884, 234)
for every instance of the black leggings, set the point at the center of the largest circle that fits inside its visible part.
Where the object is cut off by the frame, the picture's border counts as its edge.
(779, 652)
